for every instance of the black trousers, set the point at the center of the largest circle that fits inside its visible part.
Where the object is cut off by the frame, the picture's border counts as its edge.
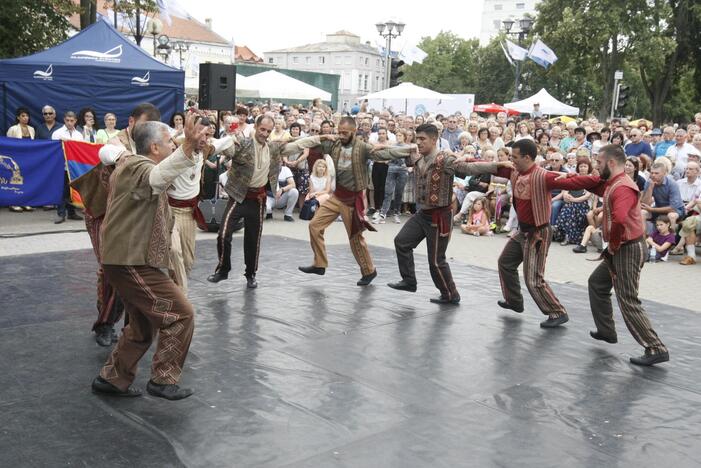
(252, 212)
(379, 177)
(416, 229)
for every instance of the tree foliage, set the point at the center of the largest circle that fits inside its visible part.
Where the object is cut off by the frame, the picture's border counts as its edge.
(29, 26)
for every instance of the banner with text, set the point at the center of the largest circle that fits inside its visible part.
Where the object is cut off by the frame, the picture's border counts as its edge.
(31, 172)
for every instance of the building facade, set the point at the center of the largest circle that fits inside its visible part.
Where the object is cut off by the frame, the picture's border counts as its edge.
(359, 65)
(496, 11)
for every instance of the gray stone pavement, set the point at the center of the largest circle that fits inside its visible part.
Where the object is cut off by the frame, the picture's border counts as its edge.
(667, 283)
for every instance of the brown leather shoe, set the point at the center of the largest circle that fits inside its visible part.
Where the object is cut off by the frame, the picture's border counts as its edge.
(688, 261)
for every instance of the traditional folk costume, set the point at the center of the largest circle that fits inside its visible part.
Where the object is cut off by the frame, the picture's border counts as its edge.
(254, 167)
(351, 164)
(434, 189)
(93, 188)
(533, 202)
(183, 198)
(625, 256)
(135, 240)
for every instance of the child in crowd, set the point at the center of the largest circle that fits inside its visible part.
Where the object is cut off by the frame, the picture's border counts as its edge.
(661, 240)
(477, 219)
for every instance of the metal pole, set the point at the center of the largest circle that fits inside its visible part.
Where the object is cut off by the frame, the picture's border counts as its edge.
(616, 90)
(516, 80)
(388, 61)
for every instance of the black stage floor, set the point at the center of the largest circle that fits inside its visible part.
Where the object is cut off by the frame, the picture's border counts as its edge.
(315, 371)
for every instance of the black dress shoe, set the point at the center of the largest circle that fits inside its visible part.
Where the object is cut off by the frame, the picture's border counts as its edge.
(554, 322)
(648, 359)
(269, 216)
(103, 335)
(103, 387)
(579, 249)
(168, 391)
(59, 219)
(455, 300)
(313, 269)
(217, 277)
(403, 286)
(598, 336)
(75, 217)
(367, 279)
(506, 305)
(288, 218)
(251, 282)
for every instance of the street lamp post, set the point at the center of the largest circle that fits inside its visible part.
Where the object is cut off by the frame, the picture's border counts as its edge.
(525, 25)
(164, 46)
(181, 47)
(155, 26)
(393, 31)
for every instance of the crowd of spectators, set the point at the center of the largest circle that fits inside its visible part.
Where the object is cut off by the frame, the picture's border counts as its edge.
(663, 162)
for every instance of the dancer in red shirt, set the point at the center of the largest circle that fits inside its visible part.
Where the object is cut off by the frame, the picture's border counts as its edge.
(622, 227)
(531, 186)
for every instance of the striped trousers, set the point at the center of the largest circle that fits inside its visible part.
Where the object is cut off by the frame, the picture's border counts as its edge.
(182, 248)
(621, 272)
(531, 249)
(109, 305)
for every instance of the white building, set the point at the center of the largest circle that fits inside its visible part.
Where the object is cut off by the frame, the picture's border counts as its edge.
(360, 65)
(496, 11)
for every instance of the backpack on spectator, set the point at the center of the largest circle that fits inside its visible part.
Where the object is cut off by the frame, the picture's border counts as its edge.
(308, 209)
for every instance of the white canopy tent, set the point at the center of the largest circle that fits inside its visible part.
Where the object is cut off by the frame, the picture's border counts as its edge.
(406, 95)
(548, 105)
(273, 84)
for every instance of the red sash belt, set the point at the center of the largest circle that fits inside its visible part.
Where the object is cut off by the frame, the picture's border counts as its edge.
(442, 218)
(256, 194)
(355, 201)
(191, 203)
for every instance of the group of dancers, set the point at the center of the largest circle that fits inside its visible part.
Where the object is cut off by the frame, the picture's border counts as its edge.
(141, 207)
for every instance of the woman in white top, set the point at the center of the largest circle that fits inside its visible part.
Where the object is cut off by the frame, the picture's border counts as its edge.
(319, 182)
(21, 129)
(110, 131)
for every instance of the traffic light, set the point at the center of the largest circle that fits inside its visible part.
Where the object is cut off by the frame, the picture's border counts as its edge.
(395, 73)
(623, 96)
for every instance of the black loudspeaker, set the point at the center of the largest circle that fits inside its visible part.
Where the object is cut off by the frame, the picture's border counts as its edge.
(217, 86)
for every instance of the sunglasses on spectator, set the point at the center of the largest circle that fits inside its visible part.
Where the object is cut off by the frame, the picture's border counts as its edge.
(47, 113)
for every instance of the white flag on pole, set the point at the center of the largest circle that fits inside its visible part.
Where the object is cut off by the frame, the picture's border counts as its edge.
(411, 54)
(506, 54)
(168, 8)
(542, 54)
(516, 52)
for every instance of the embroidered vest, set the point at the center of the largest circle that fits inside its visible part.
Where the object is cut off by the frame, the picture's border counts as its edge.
(633, 226)
(541, 199)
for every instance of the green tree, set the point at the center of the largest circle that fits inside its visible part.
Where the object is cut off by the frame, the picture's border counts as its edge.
(88, 13)
(29, 26)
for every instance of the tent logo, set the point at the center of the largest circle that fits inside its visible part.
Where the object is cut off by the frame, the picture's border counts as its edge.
(45, 75)
(139, 81)
(111, 55)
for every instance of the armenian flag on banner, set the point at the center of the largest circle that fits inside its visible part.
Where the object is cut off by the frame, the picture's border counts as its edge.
(31, 172)
(80, 158)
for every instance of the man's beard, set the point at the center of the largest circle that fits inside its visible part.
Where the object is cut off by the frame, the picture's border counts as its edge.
(605, 173)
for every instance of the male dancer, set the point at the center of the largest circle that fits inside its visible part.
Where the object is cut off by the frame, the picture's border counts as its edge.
(350, 156)
(532, 200)
(622, 228)
(93, 187)
(183, 198)
(255, 164)
(135, 242)
(434, 171)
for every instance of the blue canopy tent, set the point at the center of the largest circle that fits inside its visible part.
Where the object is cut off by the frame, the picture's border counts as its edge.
(99, 68)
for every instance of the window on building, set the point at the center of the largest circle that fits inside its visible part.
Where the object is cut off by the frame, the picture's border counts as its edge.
(377, 63)
(348, 60)
(307, 60)
(322, 59)
(377, 82)
(360, 82)
(337, 60)
(366, 60)
(271, 60)
(365, 87)
(295, 59)
(498, 7)
(520, 6)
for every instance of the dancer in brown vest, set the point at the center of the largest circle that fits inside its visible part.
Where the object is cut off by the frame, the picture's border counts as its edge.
(622, 228)
(136, 237)
(531, 186)
(434, 171)
(350, 156)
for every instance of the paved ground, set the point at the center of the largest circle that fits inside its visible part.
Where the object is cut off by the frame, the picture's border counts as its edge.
(311, 371)
(668, 283)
